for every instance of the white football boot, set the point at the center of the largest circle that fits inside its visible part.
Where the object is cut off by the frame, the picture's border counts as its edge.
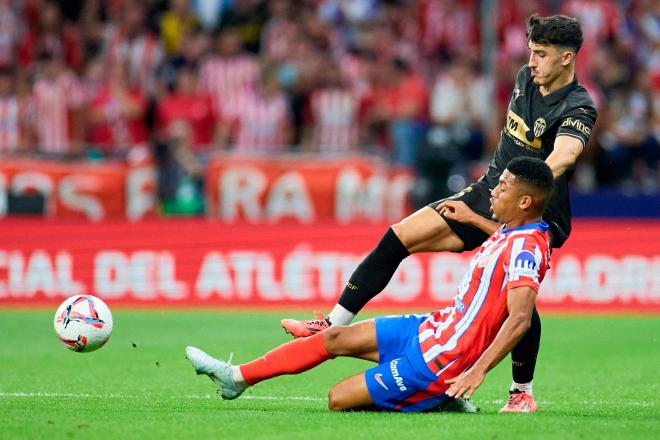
(218, 370)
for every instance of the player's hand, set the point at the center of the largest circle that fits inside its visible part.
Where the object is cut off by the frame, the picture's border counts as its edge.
(456, 210)
(465, 384)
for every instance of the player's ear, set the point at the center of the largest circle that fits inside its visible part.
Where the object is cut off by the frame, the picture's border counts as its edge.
(525, 202)
(567, 57)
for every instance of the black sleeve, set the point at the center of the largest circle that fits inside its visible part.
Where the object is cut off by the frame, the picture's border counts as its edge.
(522, 78)
(578, 123)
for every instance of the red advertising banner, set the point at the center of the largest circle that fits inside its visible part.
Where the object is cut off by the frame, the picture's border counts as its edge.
(252, 189)
(605, 266)
(81, 190)
(306, 190)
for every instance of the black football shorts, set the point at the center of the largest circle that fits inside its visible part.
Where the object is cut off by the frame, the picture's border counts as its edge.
(477, 198)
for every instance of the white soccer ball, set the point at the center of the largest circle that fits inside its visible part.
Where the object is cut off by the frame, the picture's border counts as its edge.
(83, 323)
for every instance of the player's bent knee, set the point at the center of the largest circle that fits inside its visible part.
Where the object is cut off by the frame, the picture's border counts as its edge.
(332, 339)
(350, 394)
(333, 401)
(401, 230)
(338, 400)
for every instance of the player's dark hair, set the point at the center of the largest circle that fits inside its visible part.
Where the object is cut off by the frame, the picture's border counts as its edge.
(555, 30)
(535, 174)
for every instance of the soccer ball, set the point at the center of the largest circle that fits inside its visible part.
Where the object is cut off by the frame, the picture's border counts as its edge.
(83, 323)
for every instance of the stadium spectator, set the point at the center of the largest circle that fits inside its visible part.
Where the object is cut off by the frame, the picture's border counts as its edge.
(333, 118)
(210, 12)
(399, 101)
(58, 100)
(228, 74)
(186, 104)
(449, 28)
(458, 113)
(116, 115)
(247, 17)
(180, 172)
(512, 42)
(630, 150)
(50, 35)
(602, 21)
(609, 70)
(354, 65)
(12, 32)
(262, 119)
(130, 42)
(93, 78)
(280, 32)
(194, 46)
(177, 20)
(14, 115)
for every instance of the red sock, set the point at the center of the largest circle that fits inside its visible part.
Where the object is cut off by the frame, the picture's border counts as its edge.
(291, 358)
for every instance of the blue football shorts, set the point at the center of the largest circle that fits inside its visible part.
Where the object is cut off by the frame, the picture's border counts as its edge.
(401, 379)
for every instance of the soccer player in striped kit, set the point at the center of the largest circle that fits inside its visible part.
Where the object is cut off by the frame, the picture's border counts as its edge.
(426, 360)
(550, 117)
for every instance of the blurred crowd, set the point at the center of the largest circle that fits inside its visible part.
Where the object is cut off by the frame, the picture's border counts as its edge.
(404, 79)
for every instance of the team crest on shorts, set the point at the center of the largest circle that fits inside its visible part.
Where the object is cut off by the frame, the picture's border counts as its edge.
(539, 127)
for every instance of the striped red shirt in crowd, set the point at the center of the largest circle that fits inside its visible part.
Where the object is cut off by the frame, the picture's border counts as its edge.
(15, 116)
(226, 80)
(261, 124)
(142, 54)
(54, 101)
(334, 114)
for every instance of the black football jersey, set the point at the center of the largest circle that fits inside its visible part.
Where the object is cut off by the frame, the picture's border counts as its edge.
(533, 121)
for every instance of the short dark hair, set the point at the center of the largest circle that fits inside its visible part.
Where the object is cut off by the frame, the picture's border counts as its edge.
(555, 30)
(534, 174)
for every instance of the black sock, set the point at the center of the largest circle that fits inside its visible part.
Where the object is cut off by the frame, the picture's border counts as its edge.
(523, 355)
(374, 272)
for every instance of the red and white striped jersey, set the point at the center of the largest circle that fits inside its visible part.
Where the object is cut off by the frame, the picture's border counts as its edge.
(226, 80)
(53, 101)
(334, 114)
(261, 123)
(12, 30)
(14, 112)
(143, 55)
(453, 338)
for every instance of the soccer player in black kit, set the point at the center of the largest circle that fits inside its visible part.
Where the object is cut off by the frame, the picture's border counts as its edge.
(550, 116)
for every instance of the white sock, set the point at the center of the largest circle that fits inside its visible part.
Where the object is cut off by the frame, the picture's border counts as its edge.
(525, 387)
(238, 376)
(340, 316)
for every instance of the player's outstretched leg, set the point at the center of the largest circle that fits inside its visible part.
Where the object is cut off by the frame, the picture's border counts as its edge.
(523, 363)
(423, 231)
(294, 357)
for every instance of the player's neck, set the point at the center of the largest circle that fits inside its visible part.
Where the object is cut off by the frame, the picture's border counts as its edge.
(562, 80)
(516, 223)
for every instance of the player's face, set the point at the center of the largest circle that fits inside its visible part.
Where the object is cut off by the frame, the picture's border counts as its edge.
(546, 63)
(504, 198)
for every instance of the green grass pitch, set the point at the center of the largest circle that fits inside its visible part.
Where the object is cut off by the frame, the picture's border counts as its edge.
(597, 377)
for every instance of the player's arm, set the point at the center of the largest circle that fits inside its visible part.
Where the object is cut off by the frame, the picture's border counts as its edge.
(458, 211)
(520, 302)
(566, 151)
